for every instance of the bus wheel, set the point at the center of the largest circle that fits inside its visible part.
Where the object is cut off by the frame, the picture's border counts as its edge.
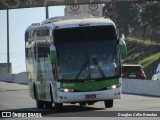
(108, 103)
(51, 94)
(82, 103)
(58, 106)
(48, 104)
(40, 104)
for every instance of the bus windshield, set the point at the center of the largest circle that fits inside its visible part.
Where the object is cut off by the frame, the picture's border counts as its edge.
(86, 52)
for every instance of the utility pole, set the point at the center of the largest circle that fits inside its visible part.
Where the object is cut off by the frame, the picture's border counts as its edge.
(8, 57)
(47, 12)
(113, 11)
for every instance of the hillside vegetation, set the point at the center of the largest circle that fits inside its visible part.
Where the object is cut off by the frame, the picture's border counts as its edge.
(144, 52)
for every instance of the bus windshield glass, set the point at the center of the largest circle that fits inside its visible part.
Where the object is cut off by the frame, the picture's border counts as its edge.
(86, 52)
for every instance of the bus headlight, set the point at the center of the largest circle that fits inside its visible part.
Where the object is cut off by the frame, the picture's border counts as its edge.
(65, 90)
(113, 86)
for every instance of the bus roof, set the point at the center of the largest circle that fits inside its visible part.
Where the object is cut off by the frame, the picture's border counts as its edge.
(73, 21)
(131, 65)
(77, 20)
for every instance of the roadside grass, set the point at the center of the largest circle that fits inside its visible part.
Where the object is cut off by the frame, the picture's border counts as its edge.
(145, 52)
(146, 41)
(149, 60)
(149, 65)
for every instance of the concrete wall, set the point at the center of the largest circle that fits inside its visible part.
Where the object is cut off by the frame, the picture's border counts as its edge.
(144, 87)
(15, 78)
(131, 86)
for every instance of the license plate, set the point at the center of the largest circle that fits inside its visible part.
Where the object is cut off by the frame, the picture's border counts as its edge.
(132, 75)
(92, 96)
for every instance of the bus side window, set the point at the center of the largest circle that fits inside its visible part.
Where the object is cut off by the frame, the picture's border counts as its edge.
(34, 53)
(43, 51)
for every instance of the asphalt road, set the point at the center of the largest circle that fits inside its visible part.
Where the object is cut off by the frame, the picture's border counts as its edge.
(15, 97)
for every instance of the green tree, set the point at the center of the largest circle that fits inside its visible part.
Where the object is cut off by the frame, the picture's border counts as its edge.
(127, 17)
(137, 19)
(150, 19)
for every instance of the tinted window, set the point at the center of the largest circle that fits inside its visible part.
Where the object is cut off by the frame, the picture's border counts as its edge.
(41, 32)
(43, 50)
(87, 52)
(131, 69)
(81, 34)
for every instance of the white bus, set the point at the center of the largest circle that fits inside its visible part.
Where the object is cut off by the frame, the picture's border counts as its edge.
(74, 60)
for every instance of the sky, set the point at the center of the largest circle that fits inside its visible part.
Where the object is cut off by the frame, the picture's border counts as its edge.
(19, 20)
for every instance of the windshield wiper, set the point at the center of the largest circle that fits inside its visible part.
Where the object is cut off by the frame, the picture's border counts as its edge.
(79, 73)
(99, 67)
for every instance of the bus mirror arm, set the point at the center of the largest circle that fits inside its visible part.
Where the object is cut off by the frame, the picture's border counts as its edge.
(117, 41)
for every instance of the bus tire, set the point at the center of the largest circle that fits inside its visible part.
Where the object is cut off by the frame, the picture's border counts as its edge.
(108, 103)
(82, 103)
(58, 106)
(35, 93)
(51, 94)
(48, 104)
(40, 104)
(90, 103)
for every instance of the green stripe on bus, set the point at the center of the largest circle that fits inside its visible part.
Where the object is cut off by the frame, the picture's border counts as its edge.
(89, 86)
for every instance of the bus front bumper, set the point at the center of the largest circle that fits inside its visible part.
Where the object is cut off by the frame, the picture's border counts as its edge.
(69, 97)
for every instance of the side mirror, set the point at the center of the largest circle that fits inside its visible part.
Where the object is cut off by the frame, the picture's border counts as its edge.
(123, 48)
(53, 56)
